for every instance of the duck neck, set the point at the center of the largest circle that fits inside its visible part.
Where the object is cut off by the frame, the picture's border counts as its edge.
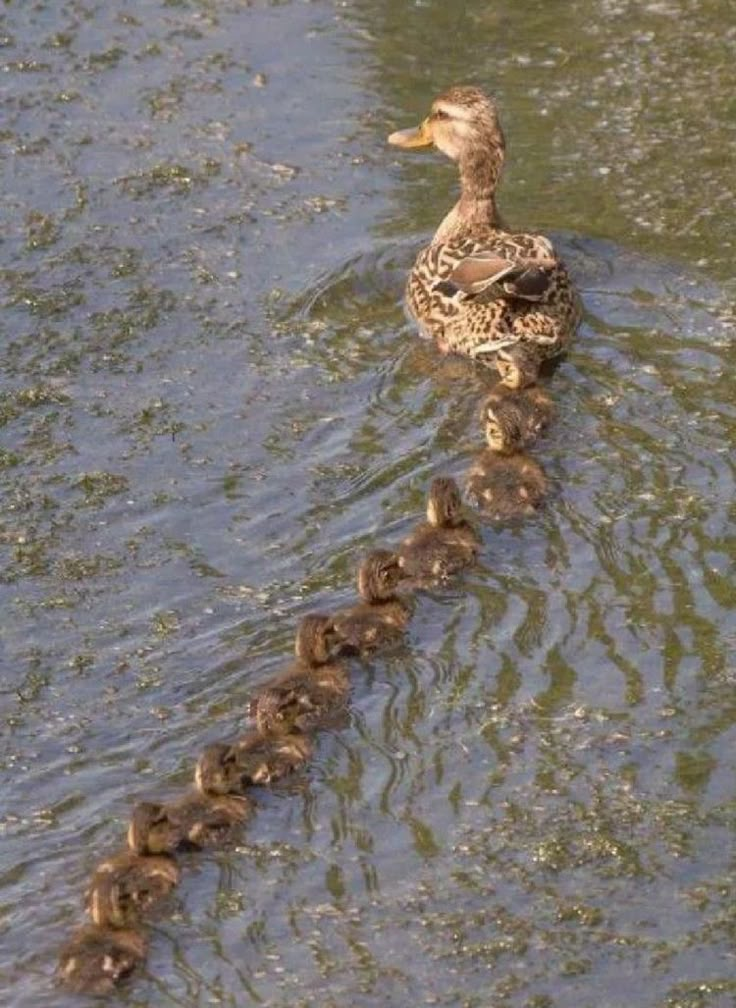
(480, 170)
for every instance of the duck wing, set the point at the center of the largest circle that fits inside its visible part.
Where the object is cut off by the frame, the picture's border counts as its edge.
(488, 273)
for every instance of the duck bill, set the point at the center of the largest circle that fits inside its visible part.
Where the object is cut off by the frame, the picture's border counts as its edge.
(420, 136)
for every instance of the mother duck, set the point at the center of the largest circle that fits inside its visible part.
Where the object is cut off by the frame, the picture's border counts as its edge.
(497, 296)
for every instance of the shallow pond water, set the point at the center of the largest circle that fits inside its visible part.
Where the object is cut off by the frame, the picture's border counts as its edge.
(211, 403)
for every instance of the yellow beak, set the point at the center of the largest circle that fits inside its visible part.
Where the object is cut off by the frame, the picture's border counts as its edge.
(421, 136)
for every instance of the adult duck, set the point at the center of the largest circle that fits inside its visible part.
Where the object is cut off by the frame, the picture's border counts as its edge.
(500, 297)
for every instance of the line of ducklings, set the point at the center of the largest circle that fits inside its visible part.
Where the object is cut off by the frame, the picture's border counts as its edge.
(310, 694)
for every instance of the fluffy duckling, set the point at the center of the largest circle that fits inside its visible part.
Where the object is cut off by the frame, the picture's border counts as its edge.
(514, 420)
(265, 759)
(195, 820)
(127, 885)
(218, 771)
(308, 692)
(229, 767)
(97, 958)
(518, 366)
(446, 542)
(505, 486)
(381, 618)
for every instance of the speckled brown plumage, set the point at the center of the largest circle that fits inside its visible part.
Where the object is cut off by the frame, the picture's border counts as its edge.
(505, 486)
(443, 544)
(380, 619)
(537, 317)
(96, 959)
(514, 419)
(126, 886)
(194, 820)
(309, 693)
(231, 767)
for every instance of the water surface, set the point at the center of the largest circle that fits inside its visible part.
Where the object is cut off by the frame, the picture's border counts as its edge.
(211, 403)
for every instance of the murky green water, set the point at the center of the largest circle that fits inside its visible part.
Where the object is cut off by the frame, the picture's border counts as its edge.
(210, 401)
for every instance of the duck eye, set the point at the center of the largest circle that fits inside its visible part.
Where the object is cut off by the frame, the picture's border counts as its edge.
(440, 114)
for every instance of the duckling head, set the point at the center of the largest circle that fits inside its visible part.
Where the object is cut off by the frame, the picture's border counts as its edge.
(504, 425)
(315, 639)
(150, 830)
(217, 770)
(379, 575)
(444, 505)
(517, 366)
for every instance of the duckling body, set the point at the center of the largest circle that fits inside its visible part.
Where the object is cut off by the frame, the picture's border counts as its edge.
(96, 959)
(381, 618)
(265, 759)
(230, 767)
(218, 771)
(514, 419)
(125, 886)
(500, 297)
(300, 699)
(445, 543)
(307, 693)
(207, 821)
(194, 820)
(505, 486)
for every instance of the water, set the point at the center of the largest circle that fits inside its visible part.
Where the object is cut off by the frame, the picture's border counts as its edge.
(211, 403)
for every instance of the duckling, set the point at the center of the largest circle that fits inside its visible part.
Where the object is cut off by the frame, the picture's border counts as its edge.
(381, 618)
(228, 768)
(446, 542)
(308, 692)
(125, 886)
(514, 420)
(97, 958)
(194, 820)
(505, 486)
(518, 366)
(218, 771)
(265, 759)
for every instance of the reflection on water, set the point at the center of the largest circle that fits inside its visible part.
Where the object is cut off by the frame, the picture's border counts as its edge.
(211, 404)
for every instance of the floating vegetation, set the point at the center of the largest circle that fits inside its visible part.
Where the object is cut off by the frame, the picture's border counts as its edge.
(98, 486)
